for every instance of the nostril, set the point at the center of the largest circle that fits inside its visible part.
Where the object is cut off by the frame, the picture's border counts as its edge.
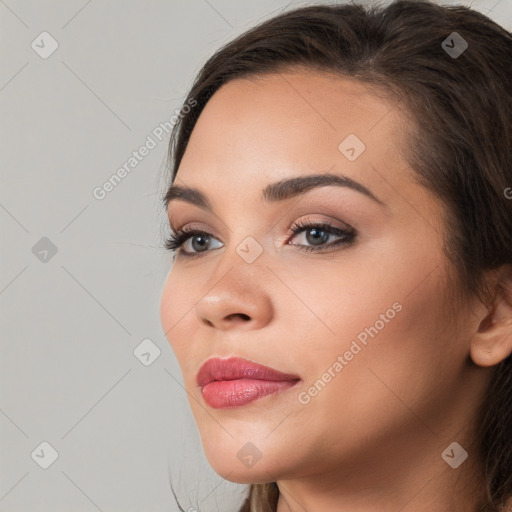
(241, 315)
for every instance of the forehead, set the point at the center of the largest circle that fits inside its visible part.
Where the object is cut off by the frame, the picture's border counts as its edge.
(261, 129)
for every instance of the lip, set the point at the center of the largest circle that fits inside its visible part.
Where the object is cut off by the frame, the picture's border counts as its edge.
(235, 381)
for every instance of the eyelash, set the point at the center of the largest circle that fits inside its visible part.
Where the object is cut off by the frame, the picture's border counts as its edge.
(177, 239)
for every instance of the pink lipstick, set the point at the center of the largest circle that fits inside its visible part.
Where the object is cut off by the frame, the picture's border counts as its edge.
(235, 381)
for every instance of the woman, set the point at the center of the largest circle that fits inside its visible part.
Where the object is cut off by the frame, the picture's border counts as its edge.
(340, 301)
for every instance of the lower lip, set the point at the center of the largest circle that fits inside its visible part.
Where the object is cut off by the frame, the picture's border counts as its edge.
(222, 394)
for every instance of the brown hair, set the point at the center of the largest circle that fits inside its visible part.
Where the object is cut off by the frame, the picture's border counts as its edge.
(459, 146)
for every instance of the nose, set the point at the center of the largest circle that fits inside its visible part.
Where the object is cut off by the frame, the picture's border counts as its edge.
(235, 301)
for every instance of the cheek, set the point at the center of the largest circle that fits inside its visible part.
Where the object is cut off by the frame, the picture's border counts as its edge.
(385, 311)
(374, 389)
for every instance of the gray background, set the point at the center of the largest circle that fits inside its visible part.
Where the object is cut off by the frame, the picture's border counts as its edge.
(70, 321)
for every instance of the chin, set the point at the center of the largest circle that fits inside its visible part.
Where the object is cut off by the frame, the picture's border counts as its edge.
(243, 462)
(245, 475)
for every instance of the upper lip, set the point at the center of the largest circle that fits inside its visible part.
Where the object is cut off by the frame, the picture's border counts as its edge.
(233, 368)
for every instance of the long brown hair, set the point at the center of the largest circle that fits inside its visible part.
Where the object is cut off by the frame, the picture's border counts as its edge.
(460, 146)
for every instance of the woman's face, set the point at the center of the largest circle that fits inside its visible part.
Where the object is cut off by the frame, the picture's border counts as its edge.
(366, 325)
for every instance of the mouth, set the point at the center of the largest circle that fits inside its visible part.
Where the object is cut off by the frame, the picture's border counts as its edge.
(235, 381)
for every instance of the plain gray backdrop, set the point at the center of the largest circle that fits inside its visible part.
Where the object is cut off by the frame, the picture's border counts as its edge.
(93, 414)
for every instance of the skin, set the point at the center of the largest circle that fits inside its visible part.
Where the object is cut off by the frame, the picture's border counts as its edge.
(372, 438)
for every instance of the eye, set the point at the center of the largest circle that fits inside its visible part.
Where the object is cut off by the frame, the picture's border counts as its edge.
(317, 234)
(184, 239)
(192, 242)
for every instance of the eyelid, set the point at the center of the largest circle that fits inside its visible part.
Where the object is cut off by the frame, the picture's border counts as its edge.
(320, 218)
(304, 219)
(194, 226)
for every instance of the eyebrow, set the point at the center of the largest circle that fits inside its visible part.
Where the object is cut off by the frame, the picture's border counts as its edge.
(279, 191)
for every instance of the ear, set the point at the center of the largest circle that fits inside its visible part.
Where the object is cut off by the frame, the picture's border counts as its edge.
(492, 343)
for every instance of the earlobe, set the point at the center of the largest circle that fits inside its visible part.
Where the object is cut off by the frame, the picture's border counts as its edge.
(492, 343)
(491, 349)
